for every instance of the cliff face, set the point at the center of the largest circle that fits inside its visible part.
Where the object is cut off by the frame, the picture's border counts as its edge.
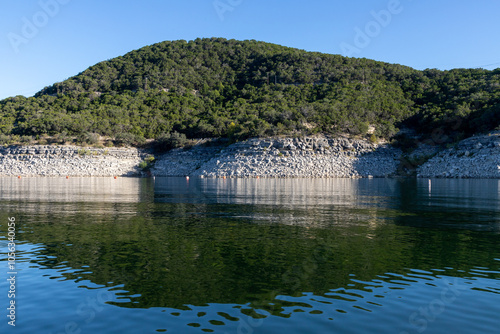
(68, 161)
(475, 157)
(283, 157)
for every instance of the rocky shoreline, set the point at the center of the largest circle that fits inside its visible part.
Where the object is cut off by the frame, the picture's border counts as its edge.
(283, 157)
(474, 157)
(69, 161)
(307, 157)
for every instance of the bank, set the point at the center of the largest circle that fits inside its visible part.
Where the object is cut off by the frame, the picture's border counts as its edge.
(307, 157)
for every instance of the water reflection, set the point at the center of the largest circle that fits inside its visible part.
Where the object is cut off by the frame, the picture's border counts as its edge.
(298, 192)
(261, 255)
(75, 189)
(285, 201)
(476, 194)
(451, 203)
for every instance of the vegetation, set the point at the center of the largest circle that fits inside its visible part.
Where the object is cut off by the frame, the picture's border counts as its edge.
(174, 91)
(147, 163)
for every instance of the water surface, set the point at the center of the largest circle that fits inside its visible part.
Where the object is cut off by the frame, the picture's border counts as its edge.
(99, 255)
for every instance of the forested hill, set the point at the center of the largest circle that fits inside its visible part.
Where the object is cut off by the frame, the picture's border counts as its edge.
(227, 88)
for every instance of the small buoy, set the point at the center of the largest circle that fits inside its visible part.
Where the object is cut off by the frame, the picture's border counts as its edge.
(115, 177)
(257, 176)
(19, 177)
(224, 177)
(67, 177)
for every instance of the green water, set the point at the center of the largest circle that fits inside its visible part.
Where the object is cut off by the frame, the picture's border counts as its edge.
(98, 255)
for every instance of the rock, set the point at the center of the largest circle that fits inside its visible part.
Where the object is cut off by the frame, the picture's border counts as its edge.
(274, 157)
(54, 161)
(287, 157)
(474, 158)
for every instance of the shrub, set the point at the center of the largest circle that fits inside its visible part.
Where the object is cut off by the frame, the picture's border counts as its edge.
(62, 137)
(92, 138)
(147, 163)
(4, 139)
(15, 138)
(170, 141)
(84, 151)
(87, 138)
(26, 139)
(124, 139)
(129, 139)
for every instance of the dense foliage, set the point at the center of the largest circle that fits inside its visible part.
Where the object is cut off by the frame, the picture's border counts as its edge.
(237, 89)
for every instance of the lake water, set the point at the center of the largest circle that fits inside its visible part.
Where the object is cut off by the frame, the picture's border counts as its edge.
(99, 255)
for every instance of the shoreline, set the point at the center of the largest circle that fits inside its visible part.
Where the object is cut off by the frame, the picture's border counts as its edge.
(304, 157)
(54, 161)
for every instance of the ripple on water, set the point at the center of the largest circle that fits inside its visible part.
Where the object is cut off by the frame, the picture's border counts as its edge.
(417, 274)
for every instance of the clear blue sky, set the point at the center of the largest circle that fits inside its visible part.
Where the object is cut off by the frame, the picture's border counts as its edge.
(46, 41)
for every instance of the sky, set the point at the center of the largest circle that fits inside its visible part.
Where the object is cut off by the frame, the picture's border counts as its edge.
(47, 41)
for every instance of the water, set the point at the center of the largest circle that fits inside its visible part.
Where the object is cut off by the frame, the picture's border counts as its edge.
(252, 256)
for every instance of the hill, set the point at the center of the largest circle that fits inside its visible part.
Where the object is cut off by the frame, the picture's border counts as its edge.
(238, 89)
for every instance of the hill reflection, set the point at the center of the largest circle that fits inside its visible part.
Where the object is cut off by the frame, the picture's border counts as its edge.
(239, 241)
(77, 189)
